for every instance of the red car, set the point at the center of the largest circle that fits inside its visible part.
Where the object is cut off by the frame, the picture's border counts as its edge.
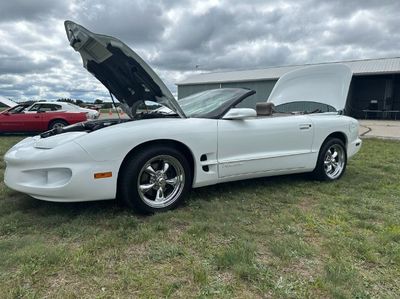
(15, 119)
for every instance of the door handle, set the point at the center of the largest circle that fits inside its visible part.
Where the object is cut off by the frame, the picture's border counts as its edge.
(304, 126)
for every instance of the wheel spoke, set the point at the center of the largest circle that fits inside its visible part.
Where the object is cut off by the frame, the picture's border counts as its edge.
(150, 170)
(334, 155)
(146, 187)
(160, 194)
(329, 169)
(328, 156)
(166, 166)
(172, 181)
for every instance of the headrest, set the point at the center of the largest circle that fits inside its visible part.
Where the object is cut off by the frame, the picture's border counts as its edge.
(265, 108)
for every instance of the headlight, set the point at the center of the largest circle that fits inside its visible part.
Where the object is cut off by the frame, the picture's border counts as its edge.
(353, 128)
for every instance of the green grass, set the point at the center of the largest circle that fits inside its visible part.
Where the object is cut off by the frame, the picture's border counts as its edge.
(275, 237)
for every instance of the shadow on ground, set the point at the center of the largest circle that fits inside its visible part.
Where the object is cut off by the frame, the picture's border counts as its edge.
(25, 203)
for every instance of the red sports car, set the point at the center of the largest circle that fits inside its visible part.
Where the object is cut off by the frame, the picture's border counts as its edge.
(15, 119)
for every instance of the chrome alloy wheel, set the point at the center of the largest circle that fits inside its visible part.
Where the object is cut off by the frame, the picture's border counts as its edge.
(161, 181)
(334, 161)
(58, 125)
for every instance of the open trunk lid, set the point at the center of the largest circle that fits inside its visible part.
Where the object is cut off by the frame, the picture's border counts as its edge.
(326, 84)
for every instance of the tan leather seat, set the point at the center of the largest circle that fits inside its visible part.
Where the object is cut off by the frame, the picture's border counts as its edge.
(265, 108)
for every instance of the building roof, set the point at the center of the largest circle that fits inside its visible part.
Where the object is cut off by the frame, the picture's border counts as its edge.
(359, 67)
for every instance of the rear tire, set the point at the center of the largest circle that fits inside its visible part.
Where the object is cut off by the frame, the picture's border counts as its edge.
(332, 160)
(155, 179)
(58, 123)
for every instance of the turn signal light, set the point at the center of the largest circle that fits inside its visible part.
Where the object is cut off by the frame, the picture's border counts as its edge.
(103, 175)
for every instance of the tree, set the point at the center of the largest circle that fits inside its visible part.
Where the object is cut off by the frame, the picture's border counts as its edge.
(107, 105)
(66, 100)
(79, 102)
(97, 101)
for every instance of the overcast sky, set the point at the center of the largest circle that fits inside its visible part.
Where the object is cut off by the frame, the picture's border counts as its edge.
(36, 61)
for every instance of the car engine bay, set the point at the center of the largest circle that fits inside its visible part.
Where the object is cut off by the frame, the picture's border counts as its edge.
(94, 125)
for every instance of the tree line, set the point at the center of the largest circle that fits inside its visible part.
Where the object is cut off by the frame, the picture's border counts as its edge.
(97, 102)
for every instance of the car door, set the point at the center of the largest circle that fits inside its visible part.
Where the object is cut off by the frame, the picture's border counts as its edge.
(33, 122)
(33, 119)
(264, 145)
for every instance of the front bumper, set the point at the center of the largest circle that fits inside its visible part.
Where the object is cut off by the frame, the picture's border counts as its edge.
(354, 147)
(93, 115)
(62, 174)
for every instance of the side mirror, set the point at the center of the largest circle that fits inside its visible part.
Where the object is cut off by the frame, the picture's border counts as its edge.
(6, 113)
(240, 113)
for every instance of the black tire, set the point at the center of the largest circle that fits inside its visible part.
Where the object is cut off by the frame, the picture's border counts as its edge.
(321, 171)
(128, 184)
(57, 123)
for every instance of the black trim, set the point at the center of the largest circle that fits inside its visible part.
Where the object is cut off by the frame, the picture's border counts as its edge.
(87, 126)
(323, 107)
(237, 101)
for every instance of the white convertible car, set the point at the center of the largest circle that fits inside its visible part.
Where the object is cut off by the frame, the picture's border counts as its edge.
(152, 160)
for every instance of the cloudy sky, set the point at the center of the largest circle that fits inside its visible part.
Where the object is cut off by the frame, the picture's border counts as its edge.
(36, 61)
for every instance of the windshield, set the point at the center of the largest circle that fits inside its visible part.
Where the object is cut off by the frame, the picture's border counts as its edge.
(213, 103)
(15, 110)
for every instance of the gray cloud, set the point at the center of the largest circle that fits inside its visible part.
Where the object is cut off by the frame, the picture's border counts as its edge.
(30, 10)
(132, 21)
(36, 61)
(21, 64)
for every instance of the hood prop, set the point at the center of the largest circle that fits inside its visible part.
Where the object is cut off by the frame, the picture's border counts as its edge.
(112, 99)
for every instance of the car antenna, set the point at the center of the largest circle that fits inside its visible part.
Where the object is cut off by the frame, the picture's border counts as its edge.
(112, 99)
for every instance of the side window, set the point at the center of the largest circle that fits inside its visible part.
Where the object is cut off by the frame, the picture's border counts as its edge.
(49, 107)
(45, 108)
(35, 107)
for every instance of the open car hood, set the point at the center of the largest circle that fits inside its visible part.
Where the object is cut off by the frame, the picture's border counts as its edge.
(326, 84)
(7, 102)
(127, 76)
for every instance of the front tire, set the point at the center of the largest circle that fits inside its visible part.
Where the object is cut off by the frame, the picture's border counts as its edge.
(155, 179)
(332, 160)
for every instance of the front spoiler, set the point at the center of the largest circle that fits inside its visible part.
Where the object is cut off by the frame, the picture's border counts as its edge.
(59, 175)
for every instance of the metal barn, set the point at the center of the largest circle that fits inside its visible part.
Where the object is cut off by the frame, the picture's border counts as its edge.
(374, 91)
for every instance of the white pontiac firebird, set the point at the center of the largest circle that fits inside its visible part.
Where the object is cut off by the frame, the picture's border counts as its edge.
(153, 160)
